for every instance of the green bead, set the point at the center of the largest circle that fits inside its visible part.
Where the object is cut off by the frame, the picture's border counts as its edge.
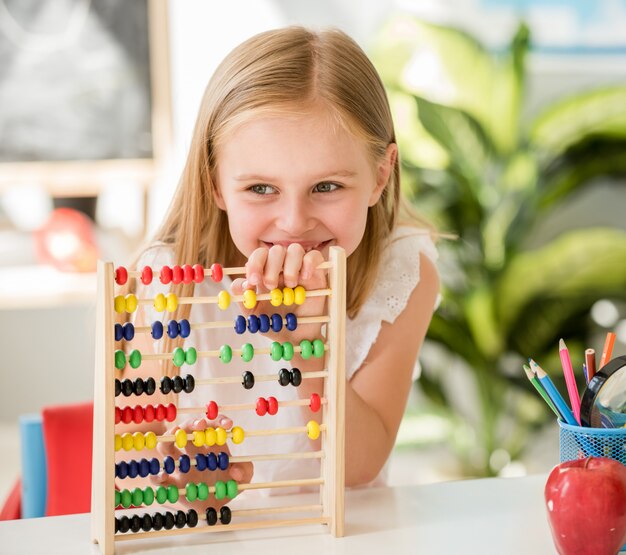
(137, 497)
(276, 351)
(287, 350)
(172, 493)
(318, 348)
(178, 356)
(120, 359)
(135, 358)
(306, 349)
(126, 498)
(247, 352)
(203, 491)
(226, 353)
(118, 498)
(231, 489)
(220, 490)
(191, 491)
(191, 355)
(161, 495)
(148, 496)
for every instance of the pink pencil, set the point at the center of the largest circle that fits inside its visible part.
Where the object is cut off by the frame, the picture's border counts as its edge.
(570, 380)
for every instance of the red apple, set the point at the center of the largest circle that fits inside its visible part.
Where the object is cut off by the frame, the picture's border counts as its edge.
(586, 502)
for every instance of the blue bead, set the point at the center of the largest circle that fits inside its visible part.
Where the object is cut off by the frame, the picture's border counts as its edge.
(155, 466)
(211, 461)
(133, 469)
(168, 464)
(172, 329)
(121, 469)
(253, 323)
(291, 322)
(277, 322)
(222, 460)
(144, 468)
(264, 323)
(184, 464)
(157, 330)
(129, 331)
(119, 332)
(201, 462)
(184, 327)
(240, 324)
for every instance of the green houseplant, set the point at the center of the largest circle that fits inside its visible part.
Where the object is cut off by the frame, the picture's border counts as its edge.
(479, 167)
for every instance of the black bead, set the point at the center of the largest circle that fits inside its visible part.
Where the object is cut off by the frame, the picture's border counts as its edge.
(135, 523)
(248, 380)
(177, 384)
(124, 524)
(284, 377)
(117, 525)
(127, 387)
(146, 522)
(211, 516)
(169, 521)
(181, 519)
(190, 383)
(138, 386)
(158, 520)
(192, 518)
(296, 377)
(149, 386)
(118, 387)
(166, 384)
(225, 515)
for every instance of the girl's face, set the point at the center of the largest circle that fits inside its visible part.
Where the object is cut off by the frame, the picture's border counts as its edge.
(300, 179)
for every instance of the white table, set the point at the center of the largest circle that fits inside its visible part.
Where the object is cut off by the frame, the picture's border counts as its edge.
(482, 517)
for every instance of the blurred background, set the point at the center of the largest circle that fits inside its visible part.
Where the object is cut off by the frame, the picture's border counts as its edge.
(511, 121)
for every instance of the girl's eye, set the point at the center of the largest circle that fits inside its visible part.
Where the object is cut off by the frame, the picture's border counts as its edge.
(262, 189)
(325, 187)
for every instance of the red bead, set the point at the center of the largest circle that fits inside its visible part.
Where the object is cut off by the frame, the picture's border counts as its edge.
(118, 415)
(261, 406)
(121, 275)
(315, 402)
(127, 415)
(171, 412)
(272, 406)
(198, 273)
(161, 412)
(138, 414)
(165, 275)
(216, 272)
(149, 413)
(146, 275)
(211, 410)
(187, 273)
(177, 274)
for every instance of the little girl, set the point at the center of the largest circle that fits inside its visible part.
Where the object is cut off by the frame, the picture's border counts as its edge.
(294, 151)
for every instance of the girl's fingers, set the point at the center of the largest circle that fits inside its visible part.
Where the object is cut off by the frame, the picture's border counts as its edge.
(255, 266)
(309, 274)
(238, 286)
(292, 264)
(242, 472)
(273, 267)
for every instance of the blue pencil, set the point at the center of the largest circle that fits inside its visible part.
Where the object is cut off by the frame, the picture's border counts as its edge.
(554, 394)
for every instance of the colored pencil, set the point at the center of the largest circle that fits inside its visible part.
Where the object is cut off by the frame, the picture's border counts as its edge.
(570, 380)
(590, 362)
(607, 351)
(553, 393)
(585, 373)
(535, 381)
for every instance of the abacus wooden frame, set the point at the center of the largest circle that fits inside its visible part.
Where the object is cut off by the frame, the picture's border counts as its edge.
(333, 415)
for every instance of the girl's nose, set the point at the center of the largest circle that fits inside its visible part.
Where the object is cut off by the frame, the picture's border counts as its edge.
(296, 217)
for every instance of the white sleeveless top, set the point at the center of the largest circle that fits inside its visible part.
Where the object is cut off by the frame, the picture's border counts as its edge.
(399, 274)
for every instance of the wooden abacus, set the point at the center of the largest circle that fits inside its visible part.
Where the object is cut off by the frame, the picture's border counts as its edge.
(106, 527)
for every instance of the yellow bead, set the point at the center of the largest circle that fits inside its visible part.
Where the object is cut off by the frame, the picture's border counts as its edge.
(223, 300)
(210, 437)
(299, 294)
(127, 441)
(171, 304)
(313, 429)
(181, 438)
(120, 304)
(159, 302)
(276, 297)
(237, 434)
(151, 440)
(249, 298)
(139, 441)
(221, 436)
(198, 438)
(288, 296)
(118, 442)
(131, 303)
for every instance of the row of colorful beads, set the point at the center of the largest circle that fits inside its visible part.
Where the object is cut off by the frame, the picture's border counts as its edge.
(264, 323)
(148, 413)
(145, 467)
(138, 386)
(172, 274)
(278, 351)
(168, 520)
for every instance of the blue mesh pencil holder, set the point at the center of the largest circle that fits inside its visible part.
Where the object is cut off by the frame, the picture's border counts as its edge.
(577, 442)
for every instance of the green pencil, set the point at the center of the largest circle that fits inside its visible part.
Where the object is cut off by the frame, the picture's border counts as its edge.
(535, 381)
